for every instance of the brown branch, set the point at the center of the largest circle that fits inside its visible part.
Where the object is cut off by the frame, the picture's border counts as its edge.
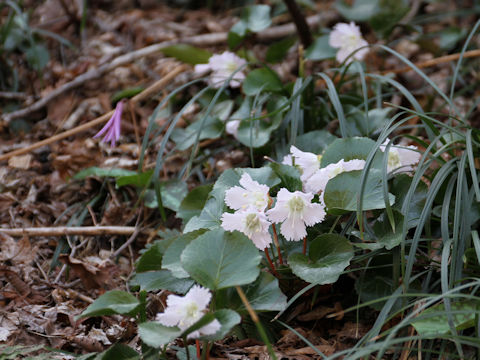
(100, 120)
(66, 230)
(199, 40)
(436, 61)
(300, 22)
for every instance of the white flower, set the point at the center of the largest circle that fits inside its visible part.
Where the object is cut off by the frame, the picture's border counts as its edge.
(295, 211)
(184, 311)
(251, 193)
(318, 181)
(232, 127)
(287, 160)
(252, 223)
(347, 38)
(401, 159)
(307, 161)
(222, 67)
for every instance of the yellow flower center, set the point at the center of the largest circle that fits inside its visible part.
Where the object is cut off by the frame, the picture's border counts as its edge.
(296, 204)
(252, 222)
(393, 160)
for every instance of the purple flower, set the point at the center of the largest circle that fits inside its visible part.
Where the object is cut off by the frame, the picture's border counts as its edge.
(112, 127)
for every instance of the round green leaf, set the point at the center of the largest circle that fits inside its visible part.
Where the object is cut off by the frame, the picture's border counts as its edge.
(112, 302)
(194, 202)
(219, 259)
(261, 80)
(157, 335)
(329, 255)
(171, 260)
(263, 295)
(342, 192)
(350, 149)
(161, 280)
(320, 49)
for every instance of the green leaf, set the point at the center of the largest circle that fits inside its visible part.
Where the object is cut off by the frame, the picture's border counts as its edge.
(386, 236)
(289, 175)
(210, 216)
(227, 319)
(184, 138)
(259, 80)
(187, 53)
(314, 141)
(160, 280)
(263, 295)
(278, 50)
(101, 172)
(157, 335)
(139, 179)
(329, 255)
(219, 259)
(171, 259)
(236, 34)
(400, 185)
(257, 17)
(37, 56)
(320, 49)
(151, 259)
(350, 149)
(360, 125)
(257, 133)
(434, 322)
(361, 10)
(194, 202)
(172, 191)
(342, 192)
(450, 37)
(112, 302)
(118, 352)
(126, 93)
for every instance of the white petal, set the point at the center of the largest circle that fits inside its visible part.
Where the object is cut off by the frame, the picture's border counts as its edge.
(232, 127)
(199, 295)
(355, 164)
(236, 197)
(261, 239)
(210, 328)
(315, 213)
(169, 318)
(278, 214)
(308, 162)
(232, 222)
(201, 69)
(293, 229)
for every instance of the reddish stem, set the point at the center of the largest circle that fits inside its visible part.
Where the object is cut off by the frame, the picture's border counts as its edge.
(305, 245)
(275, 240)
(274, 271)
(199, 353)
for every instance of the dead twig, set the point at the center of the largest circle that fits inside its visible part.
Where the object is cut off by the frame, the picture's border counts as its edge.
(65, 230)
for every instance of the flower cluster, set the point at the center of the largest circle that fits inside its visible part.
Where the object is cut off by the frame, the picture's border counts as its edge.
(222, 67)
(294, 210)
(250, 201)
(347, 38)
(184, 311)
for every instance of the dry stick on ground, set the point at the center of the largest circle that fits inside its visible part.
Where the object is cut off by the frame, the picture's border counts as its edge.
(65, 230)
(100, 120)
(199, 40)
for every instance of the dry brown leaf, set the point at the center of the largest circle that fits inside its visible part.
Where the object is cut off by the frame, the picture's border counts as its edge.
(20, 162)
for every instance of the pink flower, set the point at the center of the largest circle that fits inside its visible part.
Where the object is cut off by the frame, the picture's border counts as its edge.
(112, 127)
